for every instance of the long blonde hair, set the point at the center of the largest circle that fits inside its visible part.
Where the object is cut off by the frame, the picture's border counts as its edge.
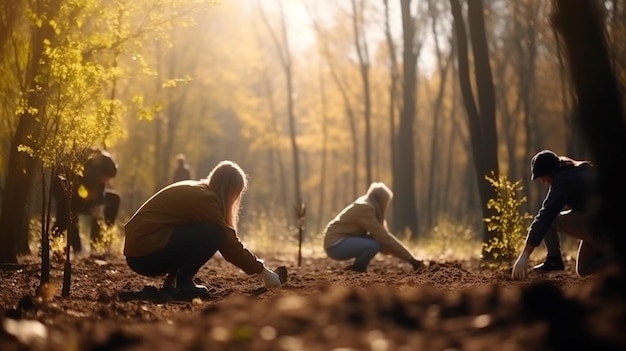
(229, 182)
(380, 195)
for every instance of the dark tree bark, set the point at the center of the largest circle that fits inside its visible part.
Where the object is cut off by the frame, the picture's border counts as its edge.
(482, 124)
(21, 166)
(405, 208)
(601, 113)
(443, 65)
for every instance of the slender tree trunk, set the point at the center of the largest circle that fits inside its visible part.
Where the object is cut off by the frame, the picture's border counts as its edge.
(21, 165)
(482, 117)
(405, 209)
(275, 152)
(322, 188)
(394, 97)
(282, 48)
(158, 122)
(360, 42)
(346, 102)
(431, 205)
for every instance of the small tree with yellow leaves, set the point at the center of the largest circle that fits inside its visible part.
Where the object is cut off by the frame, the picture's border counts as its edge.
(507, 221)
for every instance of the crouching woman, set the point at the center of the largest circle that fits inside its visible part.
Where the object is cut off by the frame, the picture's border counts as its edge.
(177, 230)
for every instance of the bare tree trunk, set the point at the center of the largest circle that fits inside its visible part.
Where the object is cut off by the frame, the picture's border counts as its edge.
(360, 42)
(346, 101)
(394, 97)
(21, 166)
(158, 122)
(275, 152)
(431, 206)
(282, 48)
(322, 186)
(526, 52)
(601, 110)
(405, 209)
(482, 117)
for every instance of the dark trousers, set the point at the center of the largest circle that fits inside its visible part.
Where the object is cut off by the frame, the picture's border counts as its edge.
(69, 221)
(189, 248)
(111, 208)
(594, 251)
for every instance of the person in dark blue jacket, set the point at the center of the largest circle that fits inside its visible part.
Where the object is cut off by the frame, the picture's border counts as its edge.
(568, 209)
(87, 193)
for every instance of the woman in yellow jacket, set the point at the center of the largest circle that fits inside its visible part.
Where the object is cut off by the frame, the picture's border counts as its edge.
(360, 231)
(178, 229)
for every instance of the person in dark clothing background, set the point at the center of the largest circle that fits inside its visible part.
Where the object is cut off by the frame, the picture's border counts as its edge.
(89, 195)
(182, 171)
(567, 208)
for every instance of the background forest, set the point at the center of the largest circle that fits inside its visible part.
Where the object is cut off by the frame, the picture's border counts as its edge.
(314, 99)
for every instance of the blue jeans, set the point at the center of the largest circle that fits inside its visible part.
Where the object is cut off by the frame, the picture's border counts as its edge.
(362, 249)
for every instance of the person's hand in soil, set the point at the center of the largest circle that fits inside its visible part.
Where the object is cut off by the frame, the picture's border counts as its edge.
(520, 268)
(417, 264)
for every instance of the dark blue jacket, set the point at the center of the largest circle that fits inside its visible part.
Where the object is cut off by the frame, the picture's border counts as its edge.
(573, 186)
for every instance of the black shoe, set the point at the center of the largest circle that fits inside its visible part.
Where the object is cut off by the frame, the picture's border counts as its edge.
(185, 287)
(170, 282)
(356, 268)
(551, 264)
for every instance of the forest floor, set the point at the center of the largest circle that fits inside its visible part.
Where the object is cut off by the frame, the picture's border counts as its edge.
(445, 306)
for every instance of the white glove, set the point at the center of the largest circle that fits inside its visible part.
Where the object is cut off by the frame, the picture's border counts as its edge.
(270, 279)
(520, 268)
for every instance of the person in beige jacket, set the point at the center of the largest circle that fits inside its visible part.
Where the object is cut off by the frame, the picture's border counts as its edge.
(360, 231)
(177, 230)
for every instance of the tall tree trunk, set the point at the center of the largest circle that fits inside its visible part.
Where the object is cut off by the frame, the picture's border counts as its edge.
(360, 41)
(10, 13)
(601, 114)
(284, 53)
(176, 99)
(158, 121)
(322, 187)
(482, 117)
(21, 166)
(394, 97)
(277, 164)
(435, 160)
(405, 209)
(347, 106)
(525, 45)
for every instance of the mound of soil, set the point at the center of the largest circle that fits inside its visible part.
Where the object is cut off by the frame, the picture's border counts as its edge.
(445, 306)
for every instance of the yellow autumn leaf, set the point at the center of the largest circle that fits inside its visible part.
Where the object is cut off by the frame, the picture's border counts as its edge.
(83, 193)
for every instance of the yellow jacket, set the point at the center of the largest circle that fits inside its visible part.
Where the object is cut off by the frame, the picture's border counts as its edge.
(360, 218)
(151, 227)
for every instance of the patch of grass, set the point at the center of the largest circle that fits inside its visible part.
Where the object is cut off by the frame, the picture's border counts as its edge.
(448, 241)
(110, 241)
(274, 235)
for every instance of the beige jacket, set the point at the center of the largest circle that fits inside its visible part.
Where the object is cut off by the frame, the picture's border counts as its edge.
(360, 218)
(151, 227)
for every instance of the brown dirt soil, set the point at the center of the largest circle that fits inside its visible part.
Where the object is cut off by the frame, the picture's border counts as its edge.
(445, 306)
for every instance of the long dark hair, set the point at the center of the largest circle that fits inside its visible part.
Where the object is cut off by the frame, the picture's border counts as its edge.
(566, 163)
